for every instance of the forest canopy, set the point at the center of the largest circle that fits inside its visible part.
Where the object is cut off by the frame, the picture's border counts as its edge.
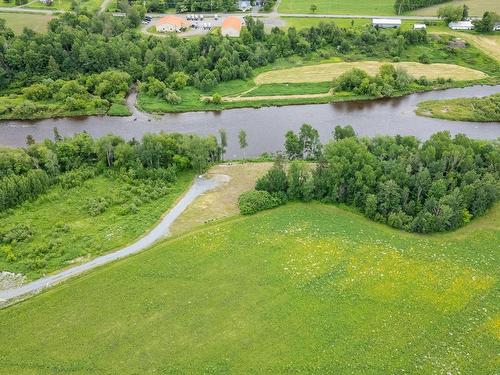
(433, 186)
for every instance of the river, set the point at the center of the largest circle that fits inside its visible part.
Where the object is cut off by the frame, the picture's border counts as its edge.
(266, 126)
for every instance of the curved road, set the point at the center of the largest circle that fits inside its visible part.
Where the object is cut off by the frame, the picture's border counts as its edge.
(199, 186)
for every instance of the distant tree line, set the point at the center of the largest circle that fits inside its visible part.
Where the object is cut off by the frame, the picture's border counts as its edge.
(29, 172)
(401, 6)
(434, 186)
(80, 44)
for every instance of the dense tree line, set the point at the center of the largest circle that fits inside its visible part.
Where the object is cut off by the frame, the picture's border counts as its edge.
(80, 44)
(401, 6)
(26, 173)
(438, 185)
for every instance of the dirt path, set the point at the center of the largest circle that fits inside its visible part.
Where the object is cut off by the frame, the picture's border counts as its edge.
(267, 97)
(221, 202)
(200, 186)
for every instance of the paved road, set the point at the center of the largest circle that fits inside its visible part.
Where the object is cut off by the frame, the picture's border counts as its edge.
(272, 15)
(199, 186)
(29, 10)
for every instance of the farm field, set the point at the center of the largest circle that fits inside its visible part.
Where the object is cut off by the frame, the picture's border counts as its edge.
(361, 7)
(18, 21)
(463, 109)
(303, 288)
(329, 71)
(64, 231)
(476, 7)
(306, 22)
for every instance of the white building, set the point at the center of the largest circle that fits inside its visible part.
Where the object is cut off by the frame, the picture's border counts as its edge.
(461, 25)
(419, 26)
(386, 23)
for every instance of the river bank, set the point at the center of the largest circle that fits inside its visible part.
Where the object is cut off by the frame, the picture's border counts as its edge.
(485, 109)
(375, 117)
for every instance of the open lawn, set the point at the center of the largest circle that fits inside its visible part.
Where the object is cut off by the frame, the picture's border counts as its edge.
(306, 22)
(476, 7)
(64, 231)
(305, 288)
(18, 21)
(360, 7)
(329, 71)
(463, 109)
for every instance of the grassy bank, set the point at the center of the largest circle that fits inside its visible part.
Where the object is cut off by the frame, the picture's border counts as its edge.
(304, 288)
(463, 109)
(64, 229)
(192, 98)
(17, 107)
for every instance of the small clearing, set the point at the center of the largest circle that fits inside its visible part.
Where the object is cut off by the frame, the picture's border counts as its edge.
(222, 201)
(329, 71)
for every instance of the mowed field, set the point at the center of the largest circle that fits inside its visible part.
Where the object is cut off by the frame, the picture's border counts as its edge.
(476, 7)
(305, 288)
(360, 7)
(329, 71)
(18, 21)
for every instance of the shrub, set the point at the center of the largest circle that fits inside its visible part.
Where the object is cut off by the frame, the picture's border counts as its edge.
(7, 251)
(424, 59)
(96, 206)
(76, 177)
(18, 233)
(254, 201)
(216, 98)
(171, 97)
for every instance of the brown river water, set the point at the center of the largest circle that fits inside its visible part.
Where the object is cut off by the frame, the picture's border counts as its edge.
(267, 126)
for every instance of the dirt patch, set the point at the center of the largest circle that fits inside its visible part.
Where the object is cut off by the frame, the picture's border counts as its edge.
(10, 280)
(221, 202)
(294, 96)
(329, 71)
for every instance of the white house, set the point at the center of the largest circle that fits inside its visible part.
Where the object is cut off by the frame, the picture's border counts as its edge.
(244, 5)
(171, 23)
(231, 26)
(461, 25)
(419, 26)
(386, 23)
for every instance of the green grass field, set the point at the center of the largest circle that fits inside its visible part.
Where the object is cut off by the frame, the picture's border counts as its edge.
(289, 89)
(63, 229)
(476, 7)
(463, 109)
(305, 288)
(18, 21)
(306, 22)
(360, 7)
